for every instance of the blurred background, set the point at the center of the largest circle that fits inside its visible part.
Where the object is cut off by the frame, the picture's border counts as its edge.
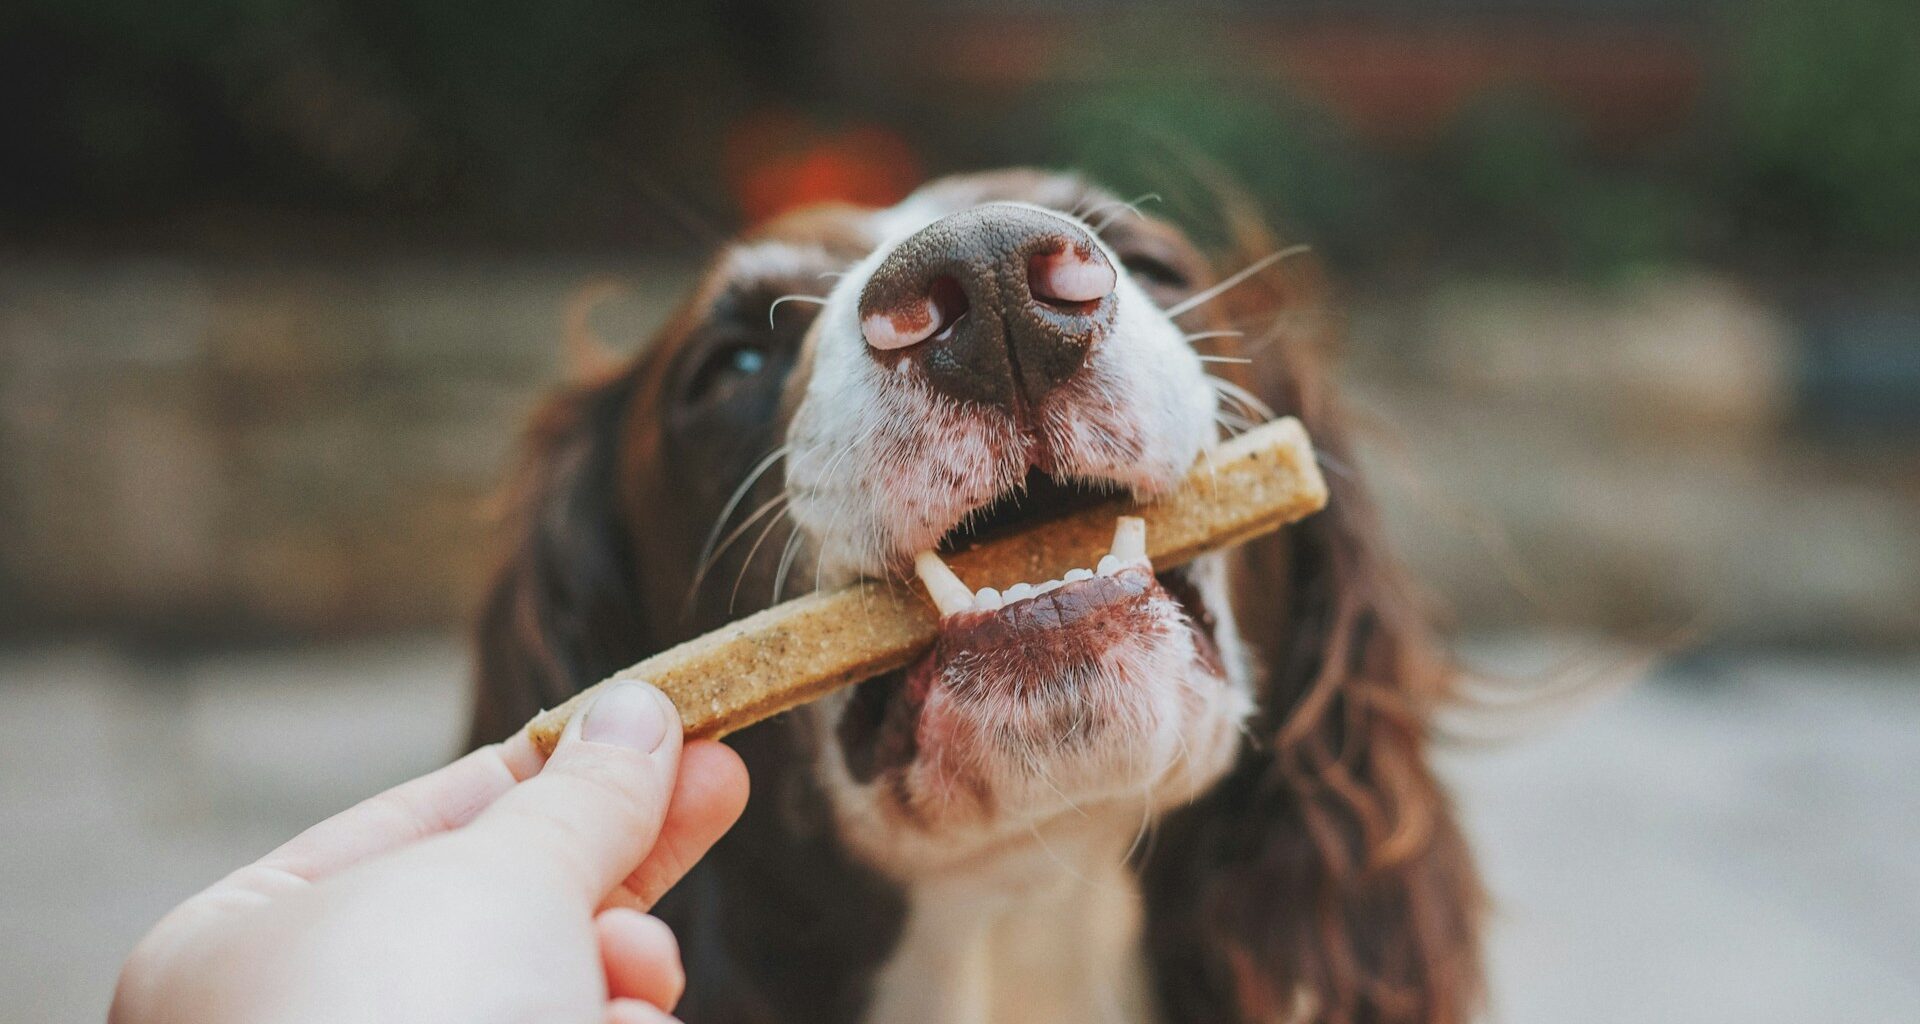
(1632, 327)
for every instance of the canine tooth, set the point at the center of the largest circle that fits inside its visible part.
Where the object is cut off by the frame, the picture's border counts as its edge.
(1018, 591)
(1108, 566)
(1044, 587)
(1076, 575)
(948, 593)
(986, 599)
(1130, 539)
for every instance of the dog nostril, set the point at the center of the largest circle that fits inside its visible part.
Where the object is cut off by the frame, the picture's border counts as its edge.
(949, 304)
(932, 316)
(995, 306)
(1069, 276)
(899, 328)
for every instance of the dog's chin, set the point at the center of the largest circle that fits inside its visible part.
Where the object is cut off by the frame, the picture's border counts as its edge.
(1104, 698)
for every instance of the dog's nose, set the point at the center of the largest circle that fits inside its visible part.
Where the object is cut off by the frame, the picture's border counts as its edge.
(999, 304)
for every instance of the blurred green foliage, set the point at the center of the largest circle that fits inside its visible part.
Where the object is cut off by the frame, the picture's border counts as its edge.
(1510, 183)
(1518, 162)
(1822, 101)
(512, 116)
(127, 107)
(1805, 145)
(1168, 138)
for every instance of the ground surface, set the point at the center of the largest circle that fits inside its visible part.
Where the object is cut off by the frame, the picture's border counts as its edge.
(1734, 841)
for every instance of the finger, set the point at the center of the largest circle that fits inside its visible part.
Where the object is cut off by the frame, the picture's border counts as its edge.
(437, 802)
(633, 1011)
(593, 812)
(641, 957)
(707, 800)
(520, 756)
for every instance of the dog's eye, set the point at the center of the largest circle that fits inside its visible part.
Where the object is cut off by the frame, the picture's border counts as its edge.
(1152, 271)
(724, 368)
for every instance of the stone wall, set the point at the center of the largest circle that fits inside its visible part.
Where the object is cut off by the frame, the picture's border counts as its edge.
(1632, 459)
(195, 449)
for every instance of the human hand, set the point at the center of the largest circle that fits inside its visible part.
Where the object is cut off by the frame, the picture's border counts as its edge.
(494, 889)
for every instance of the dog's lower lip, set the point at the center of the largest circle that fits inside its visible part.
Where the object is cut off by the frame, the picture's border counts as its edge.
(1059, 612)
(1058, 608)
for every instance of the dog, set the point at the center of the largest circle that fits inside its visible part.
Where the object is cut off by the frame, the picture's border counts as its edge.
(1187, 795)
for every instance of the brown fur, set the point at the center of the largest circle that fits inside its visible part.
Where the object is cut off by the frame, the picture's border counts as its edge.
(1323, 879)
(1326, 874)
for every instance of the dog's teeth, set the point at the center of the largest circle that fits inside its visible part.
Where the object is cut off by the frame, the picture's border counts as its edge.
(1108, 566)
(1130, 539)
(1076, 575)
(948, 593)
(986, 599)
(1018, 591)
(1047, 586)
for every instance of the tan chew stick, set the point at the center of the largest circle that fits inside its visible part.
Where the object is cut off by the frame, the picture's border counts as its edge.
(797, 651)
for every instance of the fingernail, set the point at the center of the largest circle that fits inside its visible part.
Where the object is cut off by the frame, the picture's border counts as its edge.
(630, 714)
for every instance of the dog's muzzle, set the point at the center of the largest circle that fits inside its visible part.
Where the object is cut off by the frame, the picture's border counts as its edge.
(997, 305)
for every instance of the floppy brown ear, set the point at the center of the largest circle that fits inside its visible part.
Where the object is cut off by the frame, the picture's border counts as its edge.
(565, 607)
(1324, 879)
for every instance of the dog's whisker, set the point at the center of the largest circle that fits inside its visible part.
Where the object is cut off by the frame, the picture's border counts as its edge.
(786, 561)
(1234, 408)
(1333, 465)
(815, 299)
(832, 534)
(733, 503)
(1246, 398)
(1233, 426)
(706, 565)
(1242, 360)
(1266, 341)
(1232, 403)
(826, 478)
(1236, 425)
(1126, 206)
(1234, 280)
(740, 577)
(1213, 476)
(1033, 829)
(1205, 335)
(826, 472)
(1146, 822)
(1046, 779)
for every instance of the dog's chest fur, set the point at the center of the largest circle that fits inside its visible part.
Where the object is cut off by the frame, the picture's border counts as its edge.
(1045, 931)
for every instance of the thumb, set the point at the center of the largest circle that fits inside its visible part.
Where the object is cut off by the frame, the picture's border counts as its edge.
(594, 811)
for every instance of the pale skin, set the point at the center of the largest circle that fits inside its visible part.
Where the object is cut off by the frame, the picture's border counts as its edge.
(493, 890)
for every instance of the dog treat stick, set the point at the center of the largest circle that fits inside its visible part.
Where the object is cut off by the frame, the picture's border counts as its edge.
(799, 650)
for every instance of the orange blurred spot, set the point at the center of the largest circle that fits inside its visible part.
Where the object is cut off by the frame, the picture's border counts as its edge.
(777, 163)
